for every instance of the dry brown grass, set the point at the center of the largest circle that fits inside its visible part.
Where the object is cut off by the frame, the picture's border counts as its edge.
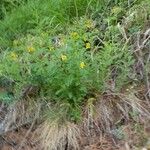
(116, 108)
(102, 116)
(20, 113)
(55, 135)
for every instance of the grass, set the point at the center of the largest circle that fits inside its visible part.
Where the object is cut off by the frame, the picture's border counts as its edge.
(66, 58)
(66, 135)
(42, 15)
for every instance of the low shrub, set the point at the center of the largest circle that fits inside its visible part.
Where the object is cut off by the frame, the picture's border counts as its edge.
(68, 67)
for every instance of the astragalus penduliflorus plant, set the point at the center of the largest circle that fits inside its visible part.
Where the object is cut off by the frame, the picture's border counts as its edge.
(66, 77)
(62, 72)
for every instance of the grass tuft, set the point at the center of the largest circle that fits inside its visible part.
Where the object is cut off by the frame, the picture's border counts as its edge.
(55, 136)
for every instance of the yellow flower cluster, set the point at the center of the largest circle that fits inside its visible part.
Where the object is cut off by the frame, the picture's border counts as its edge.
(89, 23)
(51, 48)
(30, 49)
(13, 56)
(82, 65)
(75, 35)
(88, 45)
(63, 57)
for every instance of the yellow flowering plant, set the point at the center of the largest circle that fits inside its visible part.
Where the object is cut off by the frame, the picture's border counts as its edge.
(88, 45)
(30, 49)
(63, 57)
(13, 56)
(82, 65)
(63, 72)
(75, 35)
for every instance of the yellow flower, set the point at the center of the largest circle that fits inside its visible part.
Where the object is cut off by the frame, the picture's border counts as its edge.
(30, 49)
(82, 65)
(13, 56)
(63, 57)
(51, 48)
(88, 45)
(89, 23)
(75, 35)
